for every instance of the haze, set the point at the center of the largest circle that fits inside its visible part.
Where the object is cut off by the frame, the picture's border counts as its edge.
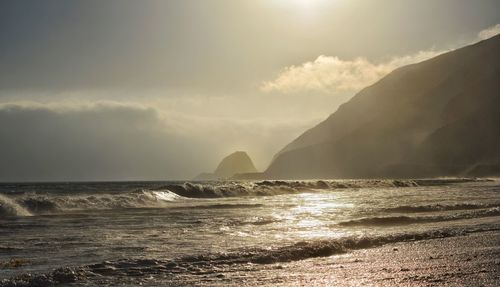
(122, 90)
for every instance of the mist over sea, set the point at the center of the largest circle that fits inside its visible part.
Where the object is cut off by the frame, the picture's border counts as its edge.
(203, 233)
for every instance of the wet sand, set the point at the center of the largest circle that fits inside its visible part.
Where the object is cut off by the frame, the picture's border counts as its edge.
(469, 260)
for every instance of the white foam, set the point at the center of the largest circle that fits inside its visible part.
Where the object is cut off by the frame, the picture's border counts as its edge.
(10, 207)
(165, 195)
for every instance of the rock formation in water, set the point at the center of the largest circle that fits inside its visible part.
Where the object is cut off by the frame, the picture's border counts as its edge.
(440, 117)
(236, 163)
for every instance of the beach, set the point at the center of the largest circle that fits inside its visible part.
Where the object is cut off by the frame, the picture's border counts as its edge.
(431, 232)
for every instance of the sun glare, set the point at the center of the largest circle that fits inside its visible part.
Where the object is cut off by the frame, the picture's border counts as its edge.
(300, 4)
(305, 3)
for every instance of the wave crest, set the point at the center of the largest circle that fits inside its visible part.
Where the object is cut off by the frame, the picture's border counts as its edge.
(277, 187)
(438, 207)
(29, 204)
(9, 207)
(402, 220)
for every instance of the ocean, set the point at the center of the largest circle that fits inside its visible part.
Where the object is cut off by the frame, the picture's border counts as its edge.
(241, 233)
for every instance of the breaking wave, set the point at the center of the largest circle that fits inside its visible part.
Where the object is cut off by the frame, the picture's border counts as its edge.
(402, 220)
(29, 204)
(9, 207)
(438, 207)
(277, 187)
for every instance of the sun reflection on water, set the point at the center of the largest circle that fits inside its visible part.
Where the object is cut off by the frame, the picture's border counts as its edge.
(313, 213)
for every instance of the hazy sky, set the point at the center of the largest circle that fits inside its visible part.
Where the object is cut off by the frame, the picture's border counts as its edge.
(164, 89)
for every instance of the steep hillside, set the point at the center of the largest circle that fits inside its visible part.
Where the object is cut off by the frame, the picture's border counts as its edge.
(438, 117)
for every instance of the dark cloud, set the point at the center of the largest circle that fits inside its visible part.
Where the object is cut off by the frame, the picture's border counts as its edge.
(101, 141)
(108, 140)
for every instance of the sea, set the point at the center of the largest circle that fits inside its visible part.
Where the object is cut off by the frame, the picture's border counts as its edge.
(180, 233)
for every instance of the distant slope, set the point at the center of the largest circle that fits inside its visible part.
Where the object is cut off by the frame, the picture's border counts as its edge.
(438, 117)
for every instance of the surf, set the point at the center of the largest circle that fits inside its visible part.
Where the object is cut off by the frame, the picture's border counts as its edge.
(9, 207)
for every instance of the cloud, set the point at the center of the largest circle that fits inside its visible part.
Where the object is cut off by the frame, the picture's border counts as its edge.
(91, 141)
(109, 140)
(489, 32)
(332, 75)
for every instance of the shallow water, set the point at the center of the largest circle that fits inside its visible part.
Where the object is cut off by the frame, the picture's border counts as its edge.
(110, 233)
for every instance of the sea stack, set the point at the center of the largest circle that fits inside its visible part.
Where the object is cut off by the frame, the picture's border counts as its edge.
(236, 163)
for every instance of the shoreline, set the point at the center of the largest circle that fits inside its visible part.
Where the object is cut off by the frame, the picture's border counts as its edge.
(472, 259)
(466, 260)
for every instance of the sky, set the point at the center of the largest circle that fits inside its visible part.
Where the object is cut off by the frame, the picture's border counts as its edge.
(132, 90)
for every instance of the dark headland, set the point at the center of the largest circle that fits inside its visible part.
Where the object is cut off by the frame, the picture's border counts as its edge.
(440, 117)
